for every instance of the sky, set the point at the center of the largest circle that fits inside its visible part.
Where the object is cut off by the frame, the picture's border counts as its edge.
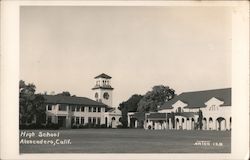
(185, 48)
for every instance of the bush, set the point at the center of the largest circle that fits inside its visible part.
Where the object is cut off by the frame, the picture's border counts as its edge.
(90, 125)
(32, 126)
(81, 126)
(36, 126)
(103, 126)
(23, 126)
(74, 126)
(120, 126)
(52, 126)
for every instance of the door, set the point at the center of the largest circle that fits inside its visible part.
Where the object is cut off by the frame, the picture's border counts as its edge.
(62, 121)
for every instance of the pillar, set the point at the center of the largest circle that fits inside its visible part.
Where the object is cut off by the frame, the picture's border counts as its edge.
(128, 121)
(68, 121)
(54, 119)
(216, 125)
(228, 123)
(170, 124)
(136, 123)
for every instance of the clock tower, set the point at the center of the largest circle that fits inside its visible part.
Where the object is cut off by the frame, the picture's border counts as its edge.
(103, 90)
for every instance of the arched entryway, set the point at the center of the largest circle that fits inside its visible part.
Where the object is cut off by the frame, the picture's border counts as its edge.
(132, 122)
(221, 124)
(167, 127)
(210, 123)
(192, 124)
(177, 124)
(106, 121)
(204, 124)
(183, 123)
(113, 123)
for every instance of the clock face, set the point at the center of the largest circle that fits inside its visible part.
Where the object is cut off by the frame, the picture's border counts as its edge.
(96, 95)
(106, 95)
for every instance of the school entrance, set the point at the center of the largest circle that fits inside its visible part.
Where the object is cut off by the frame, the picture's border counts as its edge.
(62, 121)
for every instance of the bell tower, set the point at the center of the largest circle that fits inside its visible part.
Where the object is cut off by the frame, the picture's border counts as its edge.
(103, 90)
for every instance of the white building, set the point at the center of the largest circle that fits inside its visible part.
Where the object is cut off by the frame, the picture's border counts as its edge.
(206, 110)
(68, 111)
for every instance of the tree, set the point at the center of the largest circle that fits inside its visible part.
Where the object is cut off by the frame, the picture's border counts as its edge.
(130, 105)
(157, 97)
(65, 93)
(31, 105)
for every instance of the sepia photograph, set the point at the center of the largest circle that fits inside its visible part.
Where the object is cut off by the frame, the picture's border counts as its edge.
(124, 80)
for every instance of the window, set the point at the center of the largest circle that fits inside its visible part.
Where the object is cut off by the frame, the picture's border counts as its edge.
(49, 120)
(77, 120)
(49, 107)
(82, 109)
(213, 108)
(73, 108)
(99, 109)
(179, 109)
(78, 108)
(96, 95)
(62, 107)
(98, 120)
(94, 109)
(82, 120)
(94, 120)
(106, 95)
(90, 109)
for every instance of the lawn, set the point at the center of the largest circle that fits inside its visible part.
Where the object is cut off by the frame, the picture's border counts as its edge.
(130, 141)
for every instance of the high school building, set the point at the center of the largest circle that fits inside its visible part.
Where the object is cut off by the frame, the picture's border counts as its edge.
(209, 109)
(69, 110)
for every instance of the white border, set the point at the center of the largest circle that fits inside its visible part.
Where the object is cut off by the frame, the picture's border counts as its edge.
(10, 77)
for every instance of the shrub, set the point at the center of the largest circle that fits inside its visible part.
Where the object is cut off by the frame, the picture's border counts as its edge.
(23, 126)
(52, 126)
(74, 126)
(32, 126)
(90, 125)
(81, 126)
(36, 126)
(120, 126)
(103, 126)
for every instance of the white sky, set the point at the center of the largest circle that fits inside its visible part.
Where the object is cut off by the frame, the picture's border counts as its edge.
(186, 48)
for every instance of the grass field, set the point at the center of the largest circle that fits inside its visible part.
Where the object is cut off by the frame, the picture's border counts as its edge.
(131, 141)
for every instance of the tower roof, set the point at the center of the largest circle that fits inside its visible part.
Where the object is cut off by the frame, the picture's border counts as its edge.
(103, 75)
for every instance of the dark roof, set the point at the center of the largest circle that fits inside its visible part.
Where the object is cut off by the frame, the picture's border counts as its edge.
(198, 99)
(157, 115)
(103, 87)
(139, 116)
(60, 99)
(103, 75)
(111, 109)
(186, 114)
